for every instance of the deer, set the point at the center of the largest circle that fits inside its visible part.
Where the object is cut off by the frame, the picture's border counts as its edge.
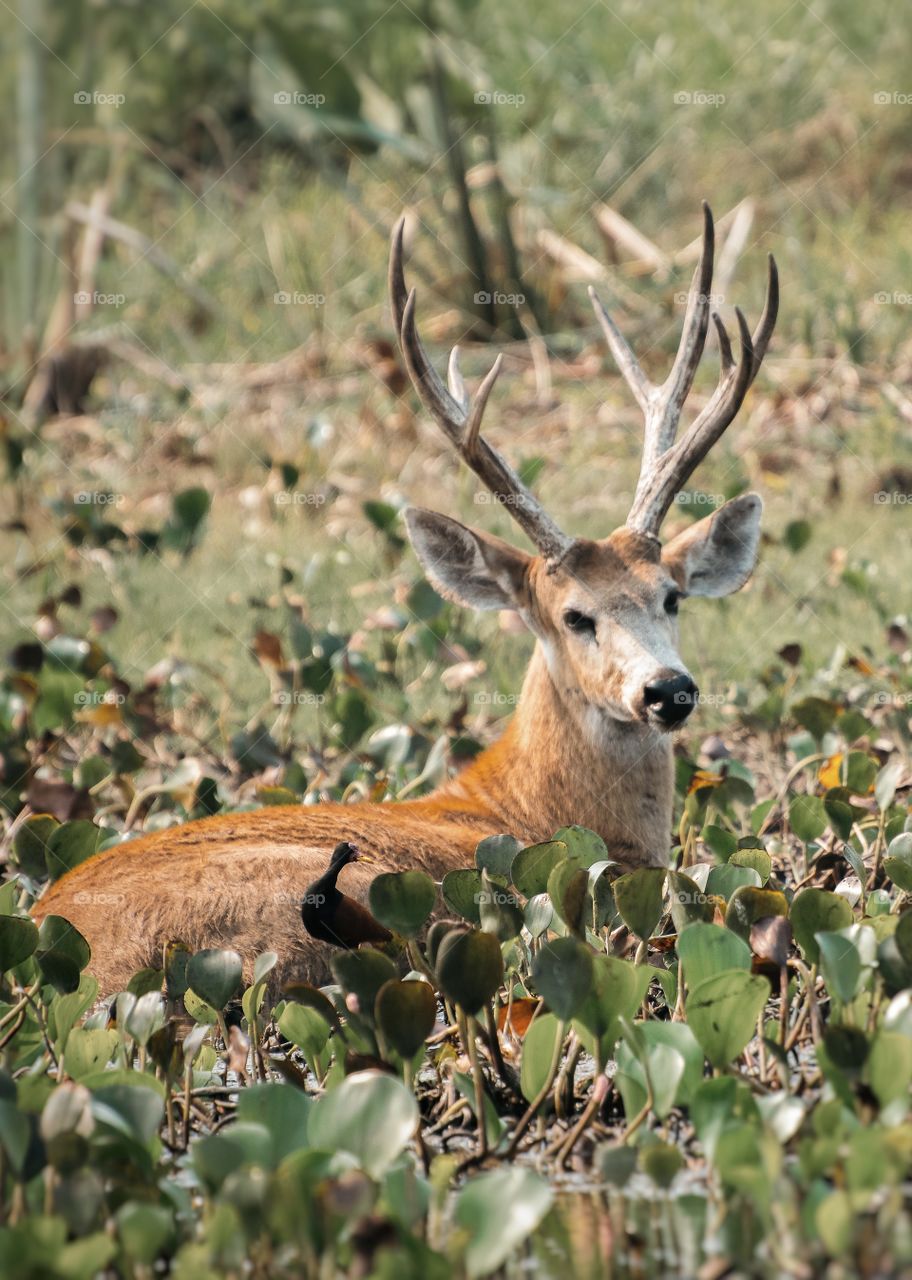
(591, 739)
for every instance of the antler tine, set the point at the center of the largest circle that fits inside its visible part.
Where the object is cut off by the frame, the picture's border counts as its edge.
(460, 418)
(624, 358)
(767, 323)
(677, 385)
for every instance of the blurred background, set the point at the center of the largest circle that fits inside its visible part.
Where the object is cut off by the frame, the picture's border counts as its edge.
(207, 434)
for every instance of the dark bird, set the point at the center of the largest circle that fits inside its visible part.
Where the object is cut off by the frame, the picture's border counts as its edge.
(330, 916)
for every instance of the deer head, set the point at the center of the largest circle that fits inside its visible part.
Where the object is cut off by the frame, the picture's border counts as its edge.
(605, 611)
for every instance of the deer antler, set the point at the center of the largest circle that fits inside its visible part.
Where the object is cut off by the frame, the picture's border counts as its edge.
(666, 465)
(460, 418)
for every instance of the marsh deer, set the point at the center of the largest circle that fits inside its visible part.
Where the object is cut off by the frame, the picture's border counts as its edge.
(590, 741)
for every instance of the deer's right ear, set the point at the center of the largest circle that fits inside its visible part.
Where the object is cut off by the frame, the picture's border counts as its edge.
(468, 566)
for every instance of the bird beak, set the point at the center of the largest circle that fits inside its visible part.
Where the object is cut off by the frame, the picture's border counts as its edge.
(364, 857)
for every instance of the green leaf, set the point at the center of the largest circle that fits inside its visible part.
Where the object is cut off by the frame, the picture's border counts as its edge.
(708, 949)
(722, 1012)
(749, 904)
(362, 973)
(215, 976)
(282, 1110)
(807, 817)
(69, 844)
(562, 975)
(62, 953)
(498, 1211)
(898, 861)
(370, 1114)
(538, 1048)
(402, 900)
(816, 911)
(406, 1012)
(724, 881)
(662, 1162)
(615, 993)
(305, 1027)
(18, 940)
(638, 895)
(30, 844)
(495, 855)
(531, 867)
(461, 891)
(470, 968)
(144, 1230)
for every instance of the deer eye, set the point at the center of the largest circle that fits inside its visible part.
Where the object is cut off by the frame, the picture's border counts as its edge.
(579, 623)
(671, 602)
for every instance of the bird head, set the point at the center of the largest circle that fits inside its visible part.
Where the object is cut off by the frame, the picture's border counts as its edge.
(345, 852)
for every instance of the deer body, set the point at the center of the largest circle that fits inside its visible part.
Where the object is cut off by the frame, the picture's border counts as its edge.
(590, 740)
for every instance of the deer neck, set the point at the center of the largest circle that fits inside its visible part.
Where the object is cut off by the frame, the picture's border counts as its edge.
(561, 762)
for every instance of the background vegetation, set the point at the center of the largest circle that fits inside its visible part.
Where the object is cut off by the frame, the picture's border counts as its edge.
(205, 595)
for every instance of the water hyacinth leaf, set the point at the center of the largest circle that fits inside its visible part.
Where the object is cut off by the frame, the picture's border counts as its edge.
(215, 975)
(841, 813)
(638, 895)
(568, 889)
(145, 1017)
(885, 784)
(470, 968)
(498, 1211)
(759, 859)
(402, 900)
(306, 1028)
(200, 1010)
(532, 866)
(583, 845)
(748, 904)
(898, 861)
(69, 844)
(807, 817)
(137, 1106)
(282, 1110)
(748, 1160)
(62, 953)
(859, 771)
(817, 715)
(495, 855)
(724, 881)
(722, 1012)
(144, 1230)
(770, 939)
(845, 956)
(616, 992)
(18, 940)
(217, 1155)
(538, 914)
(662, 1161)
(601, 891)
(499, 910)
(816, 911)
(362, 973)
(895, 972)
(709, 949)
(671, 1085)
(562, 975)
(30, 844)
(370, 1114)
(834, 1218)
(903, 936)
(889, 1066)
(615, 1164)
(461, 890)
(689, 904)
(719, 841)
(88, 1050)
(539, 1046)
(405, 1012)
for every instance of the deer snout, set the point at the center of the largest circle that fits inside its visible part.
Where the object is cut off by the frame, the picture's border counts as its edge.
(671, 699)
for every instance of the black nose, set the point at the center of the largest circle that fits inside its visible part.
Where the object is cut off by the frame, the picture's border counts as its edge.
(671, 701)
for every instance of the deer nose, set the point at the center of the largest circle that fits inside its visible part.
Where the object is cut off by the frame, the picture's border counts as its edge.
(671, 700)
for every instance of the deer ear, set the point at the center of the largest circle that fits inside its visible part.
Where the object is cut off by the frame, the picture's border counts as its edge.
(716, 556)
(467, 566)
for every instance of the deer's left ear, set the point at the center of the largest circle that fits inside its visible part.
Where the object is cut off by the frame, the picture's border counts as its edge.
(716, 556)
